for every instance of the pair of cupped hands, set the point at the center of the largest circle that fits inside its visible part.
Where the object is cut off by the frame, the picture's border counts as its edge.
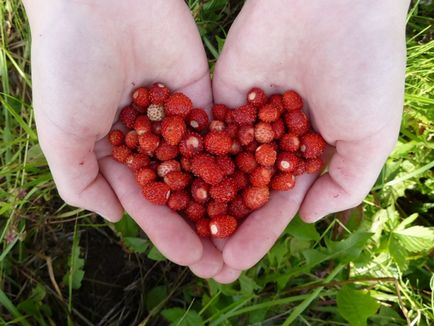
(346, 59)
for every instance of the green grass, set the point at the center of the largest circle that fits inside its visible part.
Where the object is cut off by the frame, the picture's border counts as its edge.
(61, 265)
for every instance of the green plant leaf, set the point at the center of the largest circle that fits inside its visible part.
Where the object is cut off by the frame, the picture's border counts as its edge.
(301, 230)
(127, 227)
(138, 245)
(356, 306)
(155, 296)
(181, 317)
(416, 238)
(75, 274)
(248, 285)
(154, 254)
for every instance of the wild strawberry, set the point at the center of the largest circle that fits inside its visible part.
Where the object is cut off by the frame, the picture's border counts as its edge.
(261, 176)
(186, 164)
(241, 179)
(256, 97)
(312, 145)
(236, 147)
(197, 119)
(142, 125)
(132, 139)
(148, 143)
(278, 128)
(116, 137)
(205, 167)
(292, 101)
(226, 164)
(141, 98)
(195, 211)
(219, 112)
(177, 180)
(168, 166)
(218, 142)
(289, 142)
(287, 162)
(215, 208)
(297, 122)
(191, 144)
(255, 197)
(178, 104)
(251, 148)
(314, 165)
(268, 113)
(266, 155)
(229, 116)
(158, 93)
(222, 226)
(145, 176)
(238, 209)
(120, 153)
(137, 161)
(156, 192)
(166, 152)
(173, 129)
(128, 116)
(232, 130)
(264, 133)
(300, 168)
(283, 181)
(202, 228)
(178, 200)
(245, 114)
(217, 125)
(225, 191)
(246, 134)
(156, 127)
(246, 162)
(156, 112)
(200, 191)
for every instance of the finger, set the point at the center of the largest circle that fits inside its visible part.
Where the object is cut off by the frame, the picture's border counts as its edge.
(352, 172)
(211, 262)
(167, 230)
(227, 275)
(261, 229)
(75, 170)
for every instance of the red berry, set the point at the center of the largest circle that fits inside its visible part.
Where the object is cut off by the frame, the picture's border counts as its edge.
(312, 145)
(173, 129)
(186, 164)
(278, 128)
(137, 161)
(251, 148)
(289, 142)
(283, 182)
(297, 122)
(219, 112)
(116, 137)
(166, 152)
(226, 164)
(300, 168)
(177, 180)
(156, 192)
(222, 226)
(120, 153)
(202, 228)
(229, 116)
(217, 125)
(266, 155)
(148, 143)
(205, 167)
(256, 197)
(156, 127)
(232, 129)
(245, 114)
(287, 162)
(256, 97)
(128, 116)
(236, 147)
(241, 179)
(178, 200)
(264, 133)
(191, 144)
(225, 191)
(215, 208)
(145, 176)
(158, 93)
(218, 142)
(132, 139)
(195, 211)
(261, 176)
(268, 113)
(246, 162)
(142, 125)
(197, 119)
(238, 209)
(292, 101)
(156, 112)
(168, 166)
(246, 134)
(314, 165)
(178, 104)
(200, 191)
(276, 101)
(141, 98)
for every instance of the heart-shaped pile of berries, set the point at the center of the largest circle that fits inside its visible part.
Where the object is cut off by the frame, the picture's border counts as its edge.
(215, 173)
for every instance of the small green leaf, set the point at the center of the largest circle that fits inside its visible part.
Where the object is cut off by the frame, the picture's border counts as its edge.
(349, 249)
(154, 254)
(138, 245)
(180, 317)
(155, 296)
(75, 274)
(248, 285)
(303, 231)
(356, 306)
(399, 254)
(127, 227)
(416, 238)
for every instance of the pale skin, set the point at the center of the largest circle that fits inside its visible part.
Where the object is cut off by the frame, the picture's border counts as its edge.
(347, 60)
